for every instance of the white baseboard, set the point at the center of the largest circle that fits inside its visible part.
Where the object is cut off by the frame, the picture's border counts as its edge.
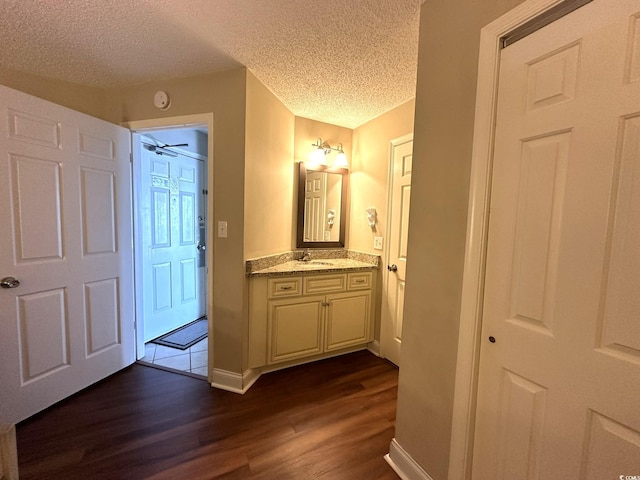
(234, 382)
(404, 464)
(374, 347)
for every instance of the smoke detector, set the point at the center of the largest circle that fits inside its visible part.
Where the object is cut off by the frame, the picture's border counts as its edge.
(161, 100)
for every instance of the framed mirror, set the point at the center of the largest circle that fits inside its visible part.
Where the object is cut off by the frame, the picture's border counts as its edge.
(322, 199)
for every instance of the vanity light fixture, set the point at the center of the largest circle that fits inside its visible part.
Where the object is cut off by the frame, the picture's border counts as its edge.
(322, 149)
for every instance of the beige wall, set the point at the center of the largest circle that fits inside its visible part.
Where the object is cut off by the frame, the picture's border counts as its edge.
(370, 173)
(306, 133)
(369, 178)
(89, 100)
(268, 186)
(445, 102)
(223, 94)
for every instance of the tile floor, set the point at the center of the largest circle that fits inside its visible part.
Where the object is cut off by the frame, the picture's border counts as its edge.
(192, 360)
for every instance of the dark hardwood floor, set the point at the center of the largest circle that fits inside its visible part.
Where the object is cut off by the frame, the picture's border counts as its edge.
(332, 419)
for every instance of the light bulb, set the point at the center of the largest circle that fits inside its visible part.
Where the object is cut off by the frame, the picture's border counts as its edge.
(317, 156)
(341, 160)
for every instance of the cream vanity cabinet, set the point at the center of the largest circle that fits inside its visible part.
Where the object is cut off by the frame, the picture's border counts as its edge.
(294, 317)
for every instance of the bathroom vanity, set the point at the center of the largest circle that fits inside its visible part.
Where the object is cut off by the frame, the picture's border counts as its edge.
(303, 311)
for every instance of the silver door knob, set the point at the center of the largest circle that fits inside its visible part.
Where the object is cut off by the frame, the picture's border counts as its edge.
(9, 282)
(392, 268)
(201, 247)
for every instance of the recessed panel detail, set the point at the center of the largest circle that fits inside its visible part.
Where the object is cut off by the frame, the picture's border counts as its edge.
(407, 165)
(35, 130)
(620, 317)
(37, 209)
(159, 167)
(160, 219)
(97, 147)
(188, 174)
(187, 219)
(609, 447)
(522, 410)
(102, 315)
(43, 334)
(399, 310)
(98, 211)
(632, 73)
(188, 279)
(295, 330)
(552, 78)
(543, 169)
(405, 199)
(162, 293)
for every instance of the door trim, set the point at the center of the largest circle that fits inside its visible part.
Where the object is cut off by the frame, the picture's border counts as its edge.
(204, 119)
(464, 400)
(384, 314)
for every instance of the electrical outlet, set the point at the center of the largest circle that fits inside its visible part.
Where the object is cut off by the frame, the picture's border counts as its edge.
(222, 229)
(377, 243)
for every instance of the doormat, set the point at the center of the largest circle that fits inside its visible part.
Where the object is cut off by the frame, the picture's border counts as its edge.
(185, 336)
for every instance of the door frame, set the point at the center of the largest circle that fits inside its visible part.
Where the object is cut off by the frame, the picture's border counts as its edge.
(468, 356)
(196, 120)
(384, 314)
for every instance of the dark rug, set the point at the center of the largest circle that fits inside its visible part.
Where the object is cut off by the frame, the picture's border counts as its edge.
(185, 336)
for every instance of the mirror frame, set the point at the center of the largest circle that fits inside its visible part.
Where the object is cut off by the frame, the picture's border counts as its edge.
(302, 179)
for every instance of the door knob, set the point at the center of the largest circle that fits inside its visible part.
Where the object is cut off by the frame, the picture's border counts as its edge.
(201, 247)
(9, 282)
(392, 268)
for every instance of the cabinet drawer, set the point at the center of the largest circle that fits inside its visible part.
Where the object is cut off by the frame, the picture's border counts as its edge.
(359, 281)
(284, 287)
(325, 283)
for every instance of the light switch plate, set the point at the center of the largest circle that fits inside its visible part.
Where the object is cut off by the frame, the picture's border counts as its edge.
(377, 243)
(222, 229)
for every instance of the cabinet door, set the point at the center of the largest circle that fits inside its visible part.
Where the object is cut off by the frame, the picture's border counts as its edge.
(348, 320)
(295, 328)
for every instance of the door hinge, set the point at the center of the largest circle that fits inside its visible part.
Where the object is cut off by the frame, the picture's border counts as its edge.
(205, 191)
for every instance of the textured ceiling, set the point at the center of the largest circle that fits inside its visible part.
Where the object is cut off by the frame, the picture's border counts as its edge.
(337, 61)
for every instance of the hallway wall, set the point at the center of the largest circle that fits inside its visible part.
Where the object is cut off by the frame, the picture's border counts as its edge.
(445, 107)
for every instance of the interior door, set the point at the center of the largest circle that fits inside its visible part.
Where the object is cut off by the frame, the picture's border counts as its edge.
(65, 211)
(559, 380)
(391, 339)
(315, 194)
(172, 223)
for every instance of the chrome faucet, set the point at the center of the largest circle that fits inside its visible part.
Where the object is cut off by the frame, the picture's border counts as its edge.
(306, 256)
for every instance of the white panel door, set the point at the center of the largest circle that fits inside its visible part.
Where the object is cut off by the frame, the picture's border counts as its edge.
(559, 382)
(391, 339)
(314, 206)
(172, 223)
(65, 211)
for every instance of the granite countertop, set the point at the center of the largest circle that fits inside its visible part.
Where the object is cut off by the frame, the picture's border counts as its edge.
(322, 261)
(320, 265)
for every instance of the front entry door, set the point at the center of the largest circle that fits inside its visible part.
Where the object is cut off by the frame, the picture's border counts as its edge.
(559, 381)
(172, 222)
(65, 236)
(391, 338)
